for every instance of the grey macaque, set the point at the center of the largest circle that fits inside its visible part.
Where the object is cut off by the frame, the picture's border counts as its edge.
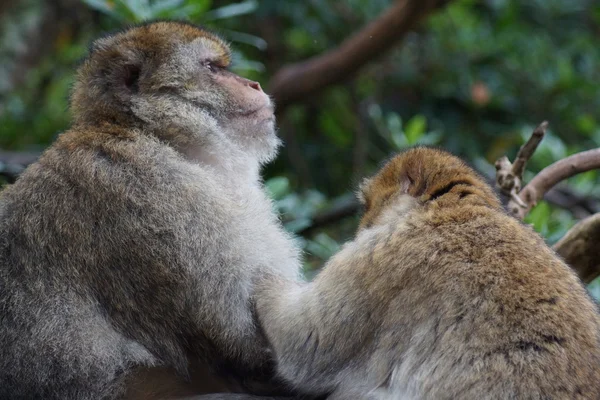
(133, 242)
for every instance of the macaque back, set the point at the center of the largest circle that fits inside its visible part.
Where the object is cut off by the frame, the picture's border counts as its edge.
(441, 295)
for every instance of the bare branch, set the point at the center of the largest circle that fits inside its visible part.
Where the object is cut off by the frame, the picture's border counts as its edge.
(509, 176)
(580, 206)
(561, 196)
(12, 163)
(296, 81)
(579, 248)
(19, 158)
(550, 176)
(332, 215)
(527, 150)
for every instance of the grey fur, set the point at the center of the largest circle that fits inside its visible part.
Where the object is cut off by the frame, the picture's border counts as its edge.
(134, 239)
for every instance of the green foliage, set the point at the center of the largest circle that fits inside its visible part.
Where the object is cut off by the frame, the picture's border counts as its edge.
(552, 223)
(144, 10)
(474, 79)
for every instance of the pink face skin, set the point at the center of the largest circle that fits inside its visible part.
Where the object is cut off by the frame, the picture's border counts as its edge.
(253, 102)
(250, 119)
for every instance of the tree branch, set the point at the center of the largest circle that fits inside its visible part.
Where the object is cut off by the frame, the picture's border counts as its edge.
(579, 248)
(332, 215)
(527, 150)
(296, 81)
(18, 158)
(12, 163)
(509, 176)
(534, 191)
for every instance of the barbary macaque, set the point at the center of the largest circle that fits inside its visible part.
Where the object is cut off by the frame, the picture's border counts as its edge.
(441, 295)
(133, 242)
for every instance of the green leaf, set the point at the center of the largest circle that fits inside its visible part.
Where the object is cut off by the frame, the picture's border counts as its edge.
(398, 140)
(322, 246)
(394, 125)
(586, 123)
(104, 6)
(133, 10)
(297, 225)
(246, 38)
(277, 187)
(163, 6)
(298, 38)
(232, 10)
(415, 128)
(539, 217)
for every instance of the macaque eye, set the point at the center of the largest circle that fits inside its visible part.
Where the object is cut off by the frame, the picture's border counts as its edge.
(212, 67)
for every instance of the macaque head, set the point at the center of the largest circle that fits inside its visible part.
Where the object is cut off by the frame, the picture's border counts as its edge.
(172, 80)
(424, 176)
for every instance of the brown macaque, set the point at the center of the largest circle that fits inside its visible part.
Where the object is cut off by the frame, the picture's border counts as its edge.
(441, 295)
(128, 251)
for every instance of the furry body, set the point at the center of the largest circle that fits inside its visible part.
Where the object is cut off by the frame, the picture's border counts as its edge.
(441, 295)
(133, 241)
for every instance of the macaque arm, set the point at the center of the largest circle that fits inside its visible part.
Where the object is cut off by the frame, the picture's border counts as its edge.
(306, 322)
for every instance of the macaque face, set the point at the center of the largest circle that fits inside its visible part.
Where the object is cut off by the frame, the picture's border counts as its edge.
(174, 77)
(200, 76)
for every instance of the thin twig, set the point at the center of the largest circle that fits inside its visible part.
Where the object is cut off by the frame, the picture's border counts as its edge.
(527, 150)
(509, 176)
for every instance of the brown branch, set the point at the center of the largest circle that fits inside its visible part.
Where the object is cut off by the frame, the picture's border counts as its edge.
(509, 176)
(12, 163)
(550, 176)
(332, 215)
(579, 248)
(19, 158)
(296, 81)
(527, 150)
(581, 206)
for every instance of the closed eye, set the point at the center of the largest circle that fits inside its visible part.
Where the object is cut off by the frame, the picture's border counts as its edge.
(213, 66)
(210, 66)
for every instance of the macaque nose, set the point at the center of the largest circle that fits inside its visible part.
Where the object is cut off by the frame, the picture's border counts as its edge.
(255, 85)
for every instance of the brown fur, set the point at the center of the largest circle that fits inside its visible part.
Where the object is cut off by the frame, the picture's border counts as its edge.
(440, 296)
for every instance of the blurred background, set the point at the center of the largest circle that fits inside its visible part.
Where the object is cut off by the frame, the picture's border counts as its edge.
(471, 76)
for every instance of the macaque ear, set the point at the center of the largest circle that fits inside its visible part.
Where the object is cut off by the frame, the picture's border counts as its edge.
(119, 66)
(405, 183)
(412, 183)
(131, 76)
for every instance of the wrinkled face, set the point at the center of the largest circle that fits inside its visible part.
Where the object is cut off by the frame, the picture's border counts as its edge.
(174, 77)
